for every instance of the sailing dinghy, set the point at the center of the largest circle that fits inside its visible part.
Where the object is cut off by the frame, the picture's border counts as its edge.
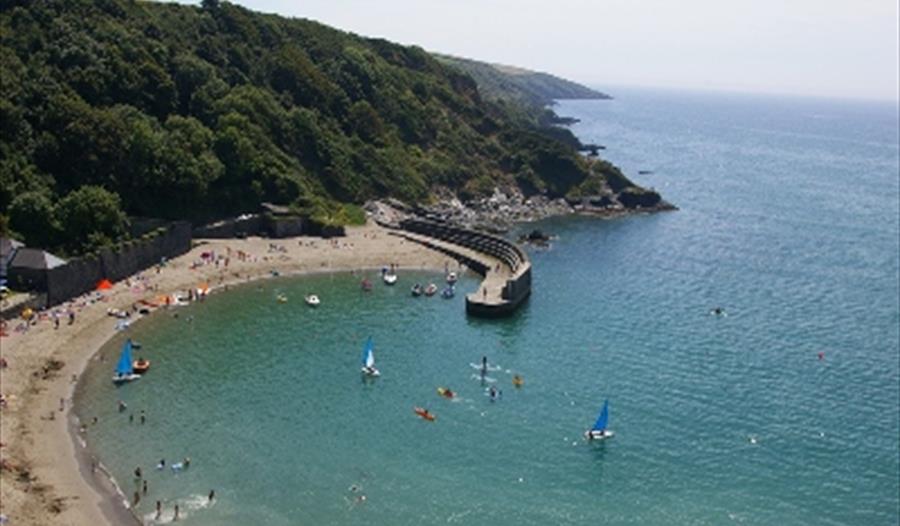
(368, 359)
(125, 367)
(599, 431)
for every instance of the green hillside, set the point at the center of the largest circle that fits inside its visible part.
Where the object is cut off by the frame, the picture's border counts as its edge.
(116, 108)
(499, 82)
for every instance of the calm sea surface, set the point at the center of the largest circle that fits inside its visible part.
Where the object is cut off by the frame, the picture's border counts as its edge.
(788, 220)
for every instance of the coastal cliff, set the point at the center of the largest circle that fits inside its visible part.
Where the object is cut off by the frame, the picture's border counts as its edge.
(114, 109)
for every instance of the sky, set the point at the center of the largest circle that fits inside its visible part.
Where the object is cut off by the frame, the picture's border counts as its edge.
(831, 48)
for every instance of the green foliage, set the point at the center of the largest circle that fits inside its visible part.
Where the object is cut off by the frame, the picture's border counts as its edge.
(187, 112)
(91, 217)
(32, 215)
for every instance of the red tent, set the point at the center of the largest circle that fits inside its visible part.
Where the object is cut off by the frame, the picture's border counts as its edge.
(104, 284)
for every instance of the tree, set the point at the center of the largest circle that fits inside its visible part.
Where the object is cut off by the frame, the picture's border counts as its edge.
(91, 217)
(33, 216)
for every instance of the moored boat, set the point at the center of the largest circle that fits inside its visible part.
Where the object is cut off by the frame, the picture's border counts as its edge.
(416, 290)
(452, 278)
(365, 285)
(431, 289)
(389, 278)
(448, 292)
(312, 300)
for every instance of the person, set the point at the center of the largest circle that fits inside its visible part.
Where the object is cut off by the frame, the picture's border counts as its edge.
(484, 292)
(137, 472)
(484, 366)
(122, 406)
(162, 464)
(131, 418)
(212, 495)
(62, 404)
(71, 317)
(176, 513)
(143, 416)
(158, 509)
(493, 393)
(144, 488)
(187, 462)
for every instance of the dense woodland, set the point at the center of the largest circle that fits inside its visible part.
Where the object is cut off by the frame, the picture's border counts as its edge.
(115, 108)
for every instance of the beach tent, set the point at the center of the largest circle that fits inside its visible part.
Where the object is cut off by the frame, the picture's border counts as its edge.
(104, 284)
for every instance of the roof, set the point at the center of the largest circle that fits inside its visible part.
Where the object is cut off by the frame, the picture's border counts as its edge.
(35, 258)
(8, 246)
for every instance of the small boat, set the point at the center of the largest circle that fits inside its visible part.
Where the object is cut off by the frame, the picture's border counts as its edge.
(368, 359)
(599, 431)
(430, 289)
(518, 381)
(365, 284)
(424, 414)
(141, 366)
(446, 392)
(416, 290)
(389, 278)
(312, 300)
(448, 293)
(281, 298)
(452, 278)
(125, 367)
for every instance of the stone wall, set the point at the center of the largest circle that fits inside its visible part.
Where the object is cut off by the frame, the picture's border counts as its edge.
(82, 274)
(244, 226)
(517, 288)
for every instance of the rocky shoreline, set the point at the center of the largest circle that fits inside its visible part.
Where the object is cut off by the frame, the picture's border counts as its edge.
(500, 212)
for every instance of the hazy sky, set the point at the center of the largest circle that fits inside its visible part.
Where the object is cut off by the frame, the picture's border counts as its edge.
(838, 48)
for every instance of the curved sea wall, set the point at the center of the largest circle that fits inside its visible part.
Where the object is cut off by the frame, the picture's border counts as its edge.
(506, 269)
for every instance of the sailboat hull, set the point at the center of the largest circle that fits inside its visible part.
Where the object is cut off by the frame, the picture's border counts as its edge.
(124, 378)
(373, 372)
(598, 435)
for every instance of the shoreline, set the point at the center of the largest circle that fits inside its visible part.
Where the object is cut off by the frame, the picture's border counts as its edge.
(47, 475)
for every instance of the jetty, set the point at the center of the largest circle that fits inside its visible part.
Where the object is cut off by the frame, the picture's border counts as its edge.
(504, 267)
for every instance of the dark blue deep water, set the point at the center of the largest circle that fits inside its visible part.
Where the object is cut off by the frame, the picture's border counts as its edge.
(788, 220)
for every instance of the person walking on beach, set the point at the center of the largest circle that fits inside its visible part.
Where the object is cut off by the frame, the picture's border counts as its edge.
(71, 317)
(158, 510)
(175, 518)
(144, 488)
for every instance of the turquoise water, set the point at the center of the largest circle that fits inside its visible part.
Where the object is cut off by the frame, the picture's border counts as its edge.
(788, 220)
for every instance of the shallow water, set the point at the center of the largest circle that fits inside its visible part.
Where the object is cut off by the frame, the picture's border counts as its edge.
(788, 221)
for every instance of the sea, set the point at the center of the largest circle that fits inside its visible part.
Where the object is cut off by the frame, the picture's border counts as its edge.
(783, 409)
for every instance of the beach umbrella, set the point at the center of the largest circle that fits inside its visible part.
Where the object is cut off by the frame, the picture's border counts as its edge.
(104, 284)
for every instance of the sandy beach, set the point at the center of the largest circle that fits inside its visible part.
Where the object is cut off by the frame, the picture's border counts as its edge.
(47, 475)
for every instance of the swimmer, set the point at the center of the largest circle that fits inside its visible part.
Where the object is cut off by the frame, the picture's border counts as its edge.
(187, 462)
(212, 495)
(122, 406)
(162, 464)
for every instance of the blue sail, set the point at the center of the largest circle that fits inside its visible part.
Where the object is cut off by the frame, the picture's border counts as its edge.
(125, 367)
(367, 359)
(600, 425)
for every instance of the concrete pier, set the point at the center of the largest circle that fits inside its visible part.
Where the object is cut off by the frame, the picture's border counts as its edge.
(504, 266)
